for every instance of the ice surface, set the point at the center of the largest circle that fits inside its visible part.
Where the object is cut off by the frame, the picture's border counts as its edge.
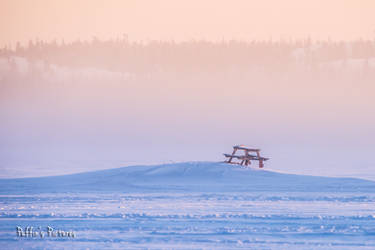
(190, 205)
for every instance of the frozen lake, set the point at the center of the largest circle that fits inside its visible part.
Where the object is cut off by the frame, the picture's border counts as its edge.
(245, 215)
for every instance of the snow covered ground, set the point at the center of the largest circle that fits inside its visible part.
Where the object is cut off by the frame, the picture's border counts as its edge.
(189, 205)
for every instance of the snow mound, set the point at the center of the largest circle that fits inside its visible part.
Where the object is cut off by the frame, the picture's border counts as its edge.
(181, 177)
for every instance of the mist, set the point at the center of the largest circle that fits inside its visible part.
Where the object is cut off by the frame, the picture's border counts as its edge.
(73, 107)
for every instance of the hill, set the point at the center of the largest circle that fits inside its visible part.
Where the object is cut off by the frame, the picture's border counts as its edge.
(183, 177)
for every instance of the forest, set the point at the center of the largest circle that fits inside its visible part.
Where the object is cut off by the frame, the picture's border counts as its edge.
(122, 55)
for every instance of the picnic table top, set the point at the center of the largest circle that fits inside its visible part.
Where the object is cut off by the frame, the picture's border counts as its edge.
(243, 147)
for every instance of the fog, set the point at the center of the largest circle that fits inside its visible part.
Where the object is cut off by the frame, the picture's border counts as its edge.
(80, 106)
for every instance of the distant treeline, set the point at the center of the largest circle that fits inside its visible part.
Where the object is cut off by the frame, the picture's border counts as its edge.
(124, 56)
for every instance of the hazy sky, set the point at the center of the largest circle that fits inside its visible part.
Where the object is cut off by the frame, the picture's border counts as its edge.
(305, 121)
(21, 20)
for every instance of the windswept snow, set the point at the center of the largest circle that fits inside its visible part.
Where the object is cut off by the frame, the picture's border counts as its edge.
(192, 176)
(188, 206)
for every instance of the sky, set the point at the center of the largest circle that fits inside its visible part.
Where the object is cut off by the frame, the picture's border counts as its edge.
(22, 20)
(305, 125)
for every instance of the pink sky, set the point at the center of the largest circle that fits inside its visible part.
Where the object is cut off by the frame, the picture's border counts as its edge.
(79, 122)
(21, 20)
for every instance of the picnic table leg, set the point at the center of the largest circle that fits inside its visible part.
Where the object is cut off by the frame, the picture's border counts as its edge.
(260, 163)
(230, 158)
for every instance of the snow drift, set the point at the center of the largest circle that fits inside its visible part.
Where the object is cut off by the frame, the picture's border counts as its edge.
(180, 177)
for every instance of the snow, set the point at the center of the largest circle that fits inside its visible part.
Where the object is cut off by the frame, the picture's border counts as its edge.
(190, 205)
(184, 177)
